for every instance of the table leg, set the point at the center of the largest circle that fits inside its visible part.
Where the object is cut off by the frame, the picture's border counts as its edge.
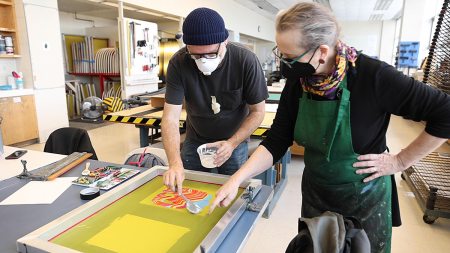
(269, 179)
(143, 135)
(102, 84)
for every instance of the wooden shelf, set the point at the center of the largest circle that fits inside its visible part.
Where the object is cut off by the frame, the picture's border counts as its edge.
(10, 30)
(95, 74)
(10, 56)
(8, 25)
(6, 3)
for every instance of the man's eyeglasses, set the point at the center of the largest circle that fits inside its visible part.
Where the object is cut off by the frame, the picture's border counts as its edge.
(141, 159)
(206, 56)
(287, 61)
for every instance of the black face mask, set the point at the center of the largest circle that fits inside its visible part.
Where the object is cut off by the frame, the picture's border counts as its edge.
(297, 70)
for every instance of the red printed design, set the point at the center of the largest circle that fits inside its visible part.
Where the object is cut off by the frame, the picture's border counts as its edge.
(170, 199)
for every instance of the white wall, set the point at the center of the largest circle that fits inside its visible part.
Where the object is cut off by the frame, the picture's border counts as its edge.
(237, 17)
(99, 27)
(110, 32)
(416, 23)
(168, 29)
(264, 51)
(387, 47)
(363, 35)
(6, 67)
(72, 26)
(432, 10)
(24, 62)
(45, 65)
(374, 38)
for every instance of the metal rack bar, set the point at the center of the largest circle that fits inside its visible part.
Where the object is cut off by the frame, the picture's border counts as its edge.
(429, 179)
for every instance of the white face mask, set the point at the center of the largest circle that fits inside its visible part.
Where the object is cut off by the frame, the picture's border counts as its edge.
(207, 66)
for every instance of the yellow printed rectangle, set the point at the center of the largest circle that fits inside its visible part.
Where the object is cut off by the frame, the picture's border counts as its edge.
(132, 233)
(135, 223)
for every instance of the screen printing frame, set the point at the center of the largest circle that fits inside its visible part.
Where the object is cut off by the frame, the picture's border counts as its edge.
(38, 240)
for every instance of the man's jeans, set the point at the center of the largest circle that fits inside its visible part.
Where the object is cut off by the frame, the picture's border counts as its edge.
(191, 159)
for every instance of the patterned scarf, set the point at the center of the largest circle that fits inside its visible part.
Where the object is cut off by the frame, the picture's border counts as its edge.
(326, 86)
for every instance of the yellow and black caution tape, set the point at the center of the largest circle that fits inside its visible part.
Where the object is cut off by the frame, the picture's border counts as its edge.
(133, 120)
(154, 122)
(151, 122)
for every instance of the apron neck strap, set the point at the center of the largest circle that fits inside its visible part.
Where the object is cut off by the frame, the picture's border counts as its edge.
(344, 97)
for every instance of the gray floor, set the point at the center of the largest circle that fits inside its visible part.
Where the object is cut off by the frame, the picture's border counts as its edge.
(88, 125)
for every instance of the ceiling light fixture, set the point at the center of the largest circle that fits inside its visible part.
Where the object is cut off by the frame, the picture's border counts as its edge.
(382, 4)
(376, 17)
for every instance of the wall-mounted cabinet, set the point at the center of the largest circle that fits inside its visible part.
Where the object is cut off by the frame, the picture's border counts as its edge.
(8, 28)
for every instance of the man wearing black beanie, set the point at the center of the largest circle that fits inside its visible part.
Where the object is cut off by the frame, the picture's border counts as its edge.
(224, 90)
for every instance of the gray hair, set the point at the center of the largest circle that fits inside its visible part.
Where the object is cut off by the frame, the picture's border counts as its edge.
(317, 25)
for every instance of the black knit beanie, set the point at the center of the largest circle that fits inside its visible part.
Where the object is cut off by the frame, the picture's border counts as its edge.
(204, 26)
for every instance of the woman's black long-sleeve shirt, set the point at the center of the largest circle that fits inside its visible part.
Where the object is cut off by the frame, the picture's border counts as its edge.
(377, 90)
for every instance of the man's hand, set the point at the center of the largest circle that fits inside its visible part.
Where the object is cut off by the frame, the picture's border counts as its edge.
(378, 165)
(174, 176)
(225, 195)
(224, 151)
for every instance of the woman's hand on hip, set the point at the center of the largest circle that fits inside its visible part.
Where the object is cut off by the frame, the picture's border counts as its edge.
(378, 165)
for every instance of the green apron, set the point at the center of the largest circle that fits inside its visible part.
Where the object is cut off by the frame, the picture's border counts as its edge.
(329, 180)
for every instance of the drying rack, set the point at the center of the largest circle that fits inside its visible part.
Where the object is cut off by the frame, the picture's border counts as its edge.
(430, 181)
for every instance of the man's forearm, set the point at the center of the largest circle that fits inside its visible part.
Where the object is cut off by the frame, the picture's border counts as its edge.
(249, 125)
(171, 141)
(419, 148)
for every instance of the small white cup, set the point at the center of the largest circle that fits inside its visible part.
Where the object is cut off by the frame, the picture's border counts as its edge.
(207, 156)
(19, 83)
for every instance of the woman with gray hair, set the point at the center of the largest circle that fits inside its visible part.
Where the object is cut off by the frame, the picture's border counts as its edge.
(337, 103)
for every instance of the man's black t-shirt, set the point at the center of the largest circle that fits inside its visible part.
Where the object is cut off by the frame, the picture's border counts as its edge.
(238, 81)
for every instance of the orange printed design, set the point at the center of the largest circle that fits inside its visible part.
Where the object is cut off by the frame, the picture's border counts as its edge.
(170, 199)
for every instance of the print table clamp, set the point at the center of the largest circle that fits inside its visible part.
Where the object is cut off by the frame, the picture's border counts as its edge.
(230, 222)
(249, 195)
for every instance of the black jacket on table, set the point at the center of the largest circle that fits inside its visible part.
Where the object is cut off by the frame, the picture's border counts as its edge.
(377, 90)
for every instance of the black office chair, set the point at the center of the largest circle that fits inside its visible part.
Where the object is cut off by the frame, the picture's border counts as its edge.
(67, 140)
(273, 77)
